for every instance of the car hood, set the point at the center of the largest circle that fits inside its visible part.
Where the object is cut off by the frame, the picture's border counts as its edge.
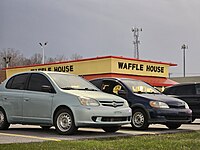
(98, 95)
(162, 98)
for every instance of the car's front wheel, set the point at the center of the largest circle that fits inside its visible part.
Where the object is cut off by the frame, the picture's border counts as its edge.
(64, 122)
(193, 119)
(173, 125)
(3, 120)
(111, 129)
(139, 120)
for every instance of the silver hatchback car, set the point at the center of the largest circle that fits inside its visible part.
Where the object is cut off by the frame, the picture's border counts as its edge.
(62, 100)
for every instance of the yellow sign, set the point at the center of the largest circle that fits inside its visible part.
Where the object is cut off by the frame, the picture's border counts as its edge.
(82, 67)
(101, 65)
(137, 67)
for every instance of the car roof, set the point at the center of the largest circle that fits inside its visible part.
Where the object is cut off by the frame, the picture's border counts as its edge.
(182, 84)
(44, 72)
(113, 78)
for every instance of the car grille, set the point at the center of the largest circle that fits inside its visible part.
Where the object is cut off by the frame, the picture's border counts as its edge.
(179, 105)
(110, 119)
(112, 103)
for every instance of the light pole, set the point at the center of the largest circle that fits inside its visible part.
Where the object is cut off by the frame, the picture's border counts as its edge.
(42, 46)
(184, 47)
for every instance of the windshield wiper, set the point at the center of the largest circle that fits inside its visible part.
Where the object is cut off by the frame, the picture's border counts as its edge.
(153, 93)
(88, 89)
(68, 88)
(140, 92)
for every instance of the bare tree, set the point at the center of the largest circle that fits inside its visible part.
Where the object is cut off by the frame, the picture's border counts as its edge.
(76, 56)
(36, 59)
(10, 57)
(58, 58)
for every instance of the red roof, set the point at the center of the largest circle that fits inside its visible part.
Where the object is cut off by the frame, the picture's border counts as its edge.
(102, 57)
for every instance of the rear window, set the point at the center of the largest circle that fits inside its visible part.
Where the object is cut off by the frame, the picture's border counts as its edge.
(17, 82)
(182, 90)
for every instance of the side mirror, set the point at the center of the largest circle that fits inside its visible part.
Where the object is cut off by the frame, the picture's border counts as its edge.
(46, 88)
(122, 93)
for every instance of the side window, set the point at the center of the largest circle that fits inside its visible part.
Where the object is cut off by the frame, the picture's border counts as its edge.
(111, 87)
(170, 91)
(17, 82)
(185, 90)
(37, 81)
(116, 88)
(9, 83)
(97, 83)
(106, 86)
(198, 89)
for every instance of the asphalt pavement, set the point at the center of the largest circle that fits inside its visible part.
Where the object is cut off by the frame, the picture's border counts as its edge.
(27, 133)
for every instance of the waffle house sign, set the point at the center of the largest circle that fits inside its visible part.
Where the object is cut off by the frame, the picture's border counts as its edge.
(102, 65)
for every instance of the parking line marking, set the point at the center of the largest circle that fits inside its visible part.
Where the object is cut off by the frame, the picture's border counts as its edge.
(32, 137)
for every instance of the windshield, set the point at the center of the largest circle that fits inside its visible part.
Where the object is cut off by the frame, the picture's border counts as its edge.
(138, 86)
(71, 82)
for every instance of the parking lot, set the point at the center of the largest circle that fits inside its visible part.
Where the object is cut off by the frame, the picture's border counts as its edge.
(25, 134)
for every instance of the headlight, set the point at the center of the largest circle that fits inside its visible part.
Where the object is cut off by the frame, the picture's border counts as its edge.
(186, 106)
(157, 104)
(85, 101)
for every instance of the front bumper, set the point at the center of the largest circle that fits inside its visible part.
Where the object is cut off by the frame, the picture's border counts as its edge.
(101, 116)
(170, 116)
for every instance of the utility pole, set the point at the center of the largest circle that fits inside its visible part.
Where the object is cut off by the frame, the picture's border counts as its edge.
(7, 59)
(136, 41)
(184, 47)
(42, 47)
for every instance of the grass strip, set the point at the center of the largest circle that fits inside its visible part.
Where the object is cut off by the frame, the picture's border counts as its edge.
(183, 141)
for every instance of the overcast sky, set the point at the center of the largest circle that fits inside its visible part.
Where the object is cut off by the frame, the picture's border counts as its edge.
(94, 28)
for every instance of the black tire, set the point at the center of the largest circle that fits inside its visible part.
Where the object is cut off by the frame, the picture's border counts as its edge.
(111, 129)
(45, 127)
(64, 122)
(3, 120)
(139, 119)
(193, 119)
(173, 126)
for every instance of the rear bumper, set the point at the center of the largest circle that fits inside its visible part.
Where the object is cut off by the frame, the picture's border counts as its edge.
(170, 116)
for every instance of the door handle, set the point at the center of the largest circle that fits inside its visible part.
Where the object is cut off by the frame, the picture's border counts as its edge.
(5, 98)
(26, 99)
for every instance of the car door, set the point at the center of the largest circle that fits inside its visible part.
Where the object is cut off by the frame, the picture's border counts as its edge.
(197, 95)
(37, 104)
(188, 94)
(13, 97)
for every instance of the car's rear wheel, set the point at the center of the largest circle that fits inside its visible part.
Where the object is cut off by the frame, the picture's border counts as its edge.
(111, 129)
(173, 125)
(64, 122)
(3, 120)
(139, 120)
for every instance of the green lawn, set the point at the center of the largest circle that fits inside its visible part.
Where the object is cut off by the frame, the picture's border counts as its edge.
(178, 141)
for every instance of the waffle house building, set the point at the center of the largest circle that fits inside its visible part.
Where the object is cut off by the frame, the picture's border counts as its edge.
(152, 72)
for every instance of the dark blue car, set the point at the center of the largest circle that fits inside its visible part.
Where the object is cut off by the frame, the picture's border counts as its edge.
(149, 106)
